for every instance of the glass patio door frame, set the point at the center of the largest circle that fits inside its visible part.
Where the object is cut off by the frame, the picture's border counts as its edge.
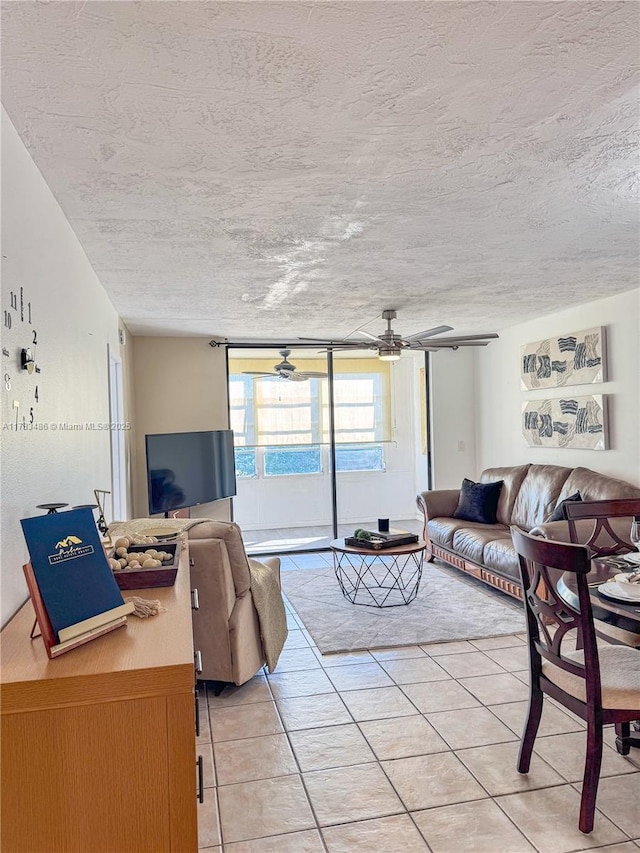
(332, 434)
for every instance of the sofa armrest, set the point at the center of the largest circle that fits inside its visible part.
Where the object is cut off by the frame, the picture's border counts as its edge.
(439, 503)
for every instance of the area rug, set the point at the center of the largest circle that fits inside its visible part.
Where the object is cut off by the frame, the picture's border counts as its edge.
(449, 606)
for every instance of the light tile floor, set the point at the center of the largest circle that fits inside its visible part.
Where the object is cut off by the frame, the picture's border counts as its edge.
(401, 750)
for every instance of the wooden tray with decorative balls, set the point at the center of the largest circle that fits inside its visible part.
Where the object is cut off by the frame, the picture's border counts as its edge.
(141, 562)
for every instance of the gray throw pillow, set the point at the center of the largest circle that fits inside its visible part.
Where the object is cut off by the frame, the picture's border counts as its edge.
(478, 501)
(558, 513)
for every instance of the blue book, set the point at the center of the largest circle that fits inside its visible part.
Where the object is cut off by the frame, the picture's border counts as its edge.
(76, 584)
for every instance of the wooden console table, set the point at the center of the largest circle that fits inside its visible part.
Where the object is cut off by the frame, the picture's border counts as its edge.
(98, 745)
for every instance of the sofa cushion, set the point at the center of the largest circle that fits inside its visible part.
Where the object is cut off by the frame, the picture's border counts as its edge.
(539, 494)
(470, 542)
(500, 555)
(596, 487)
(512, 480)
(558, 513)
(478, 501)
(442, 530)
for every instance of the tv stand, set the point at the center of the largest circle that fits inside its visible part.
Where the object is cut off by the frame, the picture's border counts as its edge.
(178, 513)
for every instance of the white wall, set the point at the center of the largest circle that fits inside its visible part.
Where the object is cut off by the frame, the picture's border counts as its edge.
(180, 385)
(75, 322)
(499, 396)
(453, 416)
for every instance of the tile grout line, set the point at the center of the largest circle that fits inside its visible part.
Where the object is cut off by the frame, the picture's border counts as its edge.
(377, 761)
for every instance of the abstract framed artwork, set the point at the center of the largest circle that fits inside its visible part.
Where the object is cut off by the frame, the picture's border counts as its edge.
(577, 358)
(577, 422)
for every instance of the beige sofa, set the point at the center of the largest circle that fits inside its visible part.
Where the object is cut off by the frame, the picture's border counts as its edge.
(528, 498)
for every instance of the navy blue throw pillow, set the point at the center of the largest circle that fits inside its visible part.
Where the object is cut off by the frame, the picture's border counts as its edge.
(558, 513)
(478, 501)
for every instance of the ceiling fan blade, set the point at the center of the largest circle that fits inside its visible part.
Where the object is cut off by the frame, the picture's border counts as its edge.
(329, 341)
(429, 333)
(352, 347)
(369, 335)
(257, 373)
(311, 374)
(294, 376)
(446, 345)
(488, 337)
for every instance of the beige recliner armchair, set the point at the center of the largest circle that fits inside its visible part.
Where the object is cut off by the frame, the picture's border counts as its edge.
(226, 629)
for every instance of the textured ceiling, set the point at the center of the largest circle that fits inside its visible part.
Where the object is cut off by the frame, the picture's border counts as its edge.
(265, 169)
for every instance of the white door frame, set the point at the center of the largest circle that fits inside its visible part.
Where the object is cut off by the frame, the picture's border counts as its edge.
(118, 454)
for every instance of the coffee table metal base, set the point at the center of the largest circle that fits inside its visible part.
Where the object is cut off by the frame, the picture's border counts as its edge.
(379, 579)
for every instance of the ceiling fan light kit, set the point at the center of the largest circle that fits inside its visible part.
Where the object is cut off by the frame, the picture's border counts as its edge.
(390, 354)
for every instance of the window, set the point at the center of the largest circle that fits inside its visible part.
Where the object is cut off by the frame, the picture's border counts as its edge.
(360, 407)
(241, 420)
(280, 461)
(246, 462)
(360, 457)
(280, 426)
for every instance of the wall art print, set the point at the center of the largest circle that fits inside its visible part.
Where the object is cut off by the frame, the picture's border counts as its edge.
(577, 358)
(576, 422)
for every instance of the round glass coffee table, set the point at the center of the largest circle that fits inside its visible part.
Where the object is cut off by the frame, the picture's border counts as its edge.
(378, 578)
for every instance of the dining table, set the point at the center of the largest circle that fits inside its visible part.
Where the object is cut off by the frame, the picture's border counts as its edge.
(624, 617)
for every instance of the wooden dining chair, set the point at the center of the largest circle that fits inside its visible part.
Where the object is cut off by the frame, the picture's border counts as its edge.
(599, 684)
(607, 537)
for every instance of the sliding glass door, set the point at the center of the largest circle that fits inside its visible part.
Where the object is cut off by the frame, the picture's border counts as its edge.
(376, 441)
(324, 443)
(284, 500)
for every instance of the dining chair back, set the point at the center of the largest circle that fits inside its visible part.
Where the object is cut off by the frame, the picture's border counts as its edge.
(599, 684)
(607, 537)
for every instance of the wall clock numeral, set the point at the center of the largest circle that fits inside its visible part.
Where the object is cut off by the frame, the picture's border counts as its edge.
(31, 415)
(7, 319)
(22, 304)
(29, 310)
(7, 382)
(35, 337)
(36, 394)
(14, 300)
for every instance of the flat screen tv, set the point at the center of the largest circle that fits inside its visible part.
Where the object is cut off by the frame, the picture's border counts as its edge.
(189, 468)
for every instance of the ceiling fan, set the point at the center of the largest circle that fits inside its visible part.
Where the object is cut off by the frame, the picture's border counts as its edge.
(390, 345)
(286, 370)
